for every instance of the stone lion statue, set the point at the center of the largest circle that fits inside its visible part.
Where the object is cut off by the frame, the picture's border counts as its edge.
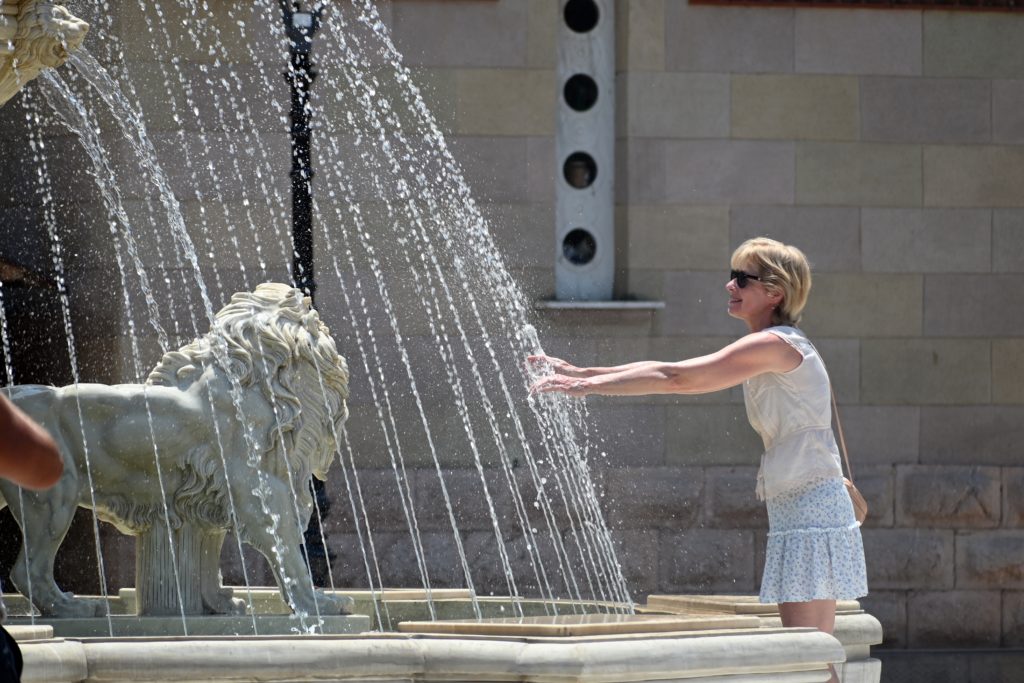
(39, 35)
(241, 417)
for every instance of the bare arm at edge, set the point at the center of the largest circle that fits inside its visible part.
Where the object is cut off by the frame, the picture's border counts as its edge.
(28, 455)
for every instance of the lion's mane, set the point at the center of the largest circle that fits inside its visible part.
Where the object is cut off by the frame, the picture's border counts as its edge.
(271, 342)
(46, 33)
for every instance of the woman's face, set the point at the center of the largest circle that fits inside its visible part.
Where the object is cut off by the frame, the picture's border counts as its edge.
(753, 302)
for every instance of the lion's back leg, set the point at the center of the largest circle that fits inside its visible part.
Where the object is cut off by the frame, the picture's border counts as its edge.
(44, 518)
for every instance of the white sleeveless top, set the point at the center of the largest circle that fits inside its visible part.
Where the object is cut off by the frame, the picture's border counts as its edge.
(792, 412)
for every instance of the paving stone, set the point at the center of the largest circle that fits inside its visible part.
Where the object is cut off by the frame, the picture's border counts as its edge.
(852, 173)
(727, 39)
(675, 105)
(729, 500)
(972, 305)
(488, 35)
(926, 110)
(805, 227)
(653, 497)
(931, 496)
(890, 608)
(990, 559)
(789, 107)
(972, 435)
(670, 236)
(1008, 241)
(705, 560)
(1008, 371)
(729, 172)
(926, 240)
(973, 176)
(909, 559)
(840, 302)
(505, 102)
(925, 371)
(972, 45)
(947, 619)
(858, 41)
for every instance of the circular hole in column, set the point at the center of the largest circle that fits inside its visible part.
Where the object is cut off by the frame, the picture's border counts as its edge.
(579, 247)
(580, 92)
(579, 170)
(581, 15)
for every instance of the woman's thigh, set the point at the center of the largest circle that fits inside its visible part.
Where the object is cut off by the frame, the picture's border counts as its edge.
(819, 614)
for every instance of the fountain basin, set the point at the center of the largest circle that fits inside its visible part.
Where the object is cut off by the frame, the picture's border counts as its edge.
(761, 656)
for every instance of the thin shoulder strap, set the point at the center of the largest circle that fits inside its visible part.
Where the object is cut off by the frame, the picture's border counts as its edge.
(835, 411)
(839, 424)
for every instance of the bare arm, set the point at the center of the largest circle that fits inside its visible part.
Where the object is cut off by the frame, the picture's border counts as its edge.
(752, 355)
(28, 456)
(561, 367)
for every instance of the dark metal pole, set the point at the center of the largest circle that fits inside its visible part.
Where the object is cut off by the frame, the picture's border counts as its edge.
(300, 27)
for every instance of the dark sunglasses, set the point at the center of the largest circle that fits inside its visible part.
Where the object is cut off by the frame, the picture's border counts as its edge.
(742, 279)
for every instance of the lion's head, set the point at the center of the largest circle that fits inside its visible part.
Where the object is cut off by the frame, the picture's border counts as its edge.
(272, 342)
(41, 36)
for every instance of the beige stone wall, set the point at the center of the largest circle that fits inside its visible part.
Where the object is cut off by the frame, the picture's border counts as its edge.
(885, 144)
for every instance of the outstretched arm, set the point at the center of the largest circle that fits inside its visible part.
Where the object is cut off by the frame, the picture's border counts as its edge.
(28, 455)
(752, 355)
(561, 367)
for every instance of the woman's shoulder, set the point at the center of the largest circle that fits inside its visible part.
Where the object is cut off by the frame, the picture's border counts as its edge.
(793, 336)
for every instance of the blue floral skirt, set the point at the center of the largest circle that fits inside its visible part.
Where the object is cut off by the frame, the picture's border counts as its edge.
(815, 551)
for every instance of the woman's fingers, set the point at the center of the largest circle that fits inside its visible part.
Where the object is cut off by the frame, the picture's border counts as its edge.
(559, 384)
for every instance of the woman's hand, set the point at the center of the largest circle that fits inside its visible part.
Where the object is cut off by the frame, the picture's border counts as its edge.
(556, 365)
(560, 384)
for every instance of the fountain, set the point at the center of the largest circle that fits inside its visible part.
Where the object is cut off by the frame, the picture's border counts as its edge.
(435, 331)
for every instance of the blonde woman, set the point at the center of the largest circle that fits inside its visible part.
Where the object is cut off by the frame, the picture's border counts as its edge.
(815, 555)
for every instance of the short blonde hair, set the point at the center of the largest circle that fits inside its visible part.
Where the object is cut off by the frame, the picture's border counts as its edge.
(782, 268)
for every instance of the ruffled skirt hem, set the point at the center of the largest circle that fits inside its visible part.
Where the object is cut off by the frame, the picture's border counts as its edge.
(814, 564)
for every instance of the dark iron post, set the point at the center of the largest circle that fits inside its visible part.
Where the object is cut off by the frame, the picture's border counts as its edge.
(300, 27)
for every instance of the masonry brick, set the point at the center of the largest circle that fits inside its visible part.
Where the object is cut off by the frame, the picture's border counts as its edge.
(876, 485)
(857, 41)
(505, 102)
(806, 227)
(790, 107)
(1008, 371)
(729, 500)
(909, 559)
(705, 560)
(653, 497)
(954, 619)
(672, 236)
(890, 608)
(699, 306)
(640, 29)
(490, 35)
(931, 496)
(925, 371)
(972, 45)
(1008, 241)
(729, 171)
(881, 435)
(972, 305)
(926, 110)
(675, 105)
(1013, 619)
(1013, 501)
(638, 554)
(710, 435)
(926, 240)
(543, 22)
(840, 302)
(855, 173)
(973, 175)
(1008, 111)
(631, 435)
(727, 39)
(972, 435)
(990, 559)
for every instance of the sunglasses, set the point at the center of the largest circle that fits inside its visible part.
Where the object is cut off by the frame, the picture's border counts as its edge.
(742, 279)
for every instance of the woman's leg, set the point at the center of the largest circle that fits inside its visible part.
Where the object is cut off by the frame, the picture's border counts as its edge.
(819, 614)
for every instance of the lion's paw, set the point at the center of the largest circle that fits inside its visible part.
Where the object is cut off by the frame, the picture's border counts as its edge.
(72, 607)
(329, 603)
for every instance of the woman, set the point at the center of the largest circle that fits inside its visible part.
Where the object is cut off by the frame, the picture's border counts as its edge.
(815, 555)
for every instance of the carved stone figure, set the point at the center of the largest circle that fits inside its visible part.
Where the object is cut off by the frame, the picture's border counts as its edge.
(34, 35)
(268, 358)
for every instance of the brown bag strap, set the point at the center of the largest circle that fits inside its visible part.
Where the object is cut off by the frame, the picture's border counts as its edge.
(839, 425)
